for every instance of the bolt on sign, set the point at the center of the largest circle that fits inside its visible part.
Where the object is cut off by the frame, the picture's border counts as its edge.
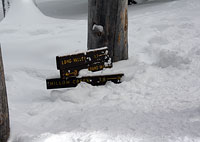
(93, 60)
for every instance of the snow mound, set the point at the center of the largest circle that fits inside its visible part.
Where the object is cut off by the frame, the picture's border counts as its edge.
(170, 58)
(24, 12)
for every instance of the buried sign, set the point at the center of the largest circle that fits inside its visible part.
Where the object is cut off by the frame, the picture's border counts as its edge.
(87, 58)
(74, 81)
(93, 60)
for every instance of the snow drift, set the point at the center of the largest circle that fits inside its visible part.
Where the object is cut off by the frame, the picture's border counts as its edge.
(158, 100)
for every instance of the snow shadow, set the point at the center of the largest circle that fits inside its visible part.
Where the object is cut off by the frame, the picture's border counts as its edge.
(152, 126)
(154, 2)
(78, 9)
(64, 9)
(145, 7)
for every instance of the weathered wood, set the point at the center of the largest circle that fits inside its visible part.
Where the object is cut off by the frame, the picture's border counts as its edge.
(93, 60)
(80, 59)
(74, 71)
(99, 66)
(4, 115)
(108, 27)
(69, 61)
(74, 81)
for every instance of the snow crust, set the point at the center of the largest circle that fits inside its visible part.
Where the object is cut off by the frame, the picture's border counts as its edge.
(158, 101)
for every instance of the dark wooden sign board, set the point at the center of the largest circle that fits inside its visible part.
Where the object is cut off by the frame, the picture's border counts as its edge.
(74, 71)
(80, 59)
(74, 81)
(93, 60)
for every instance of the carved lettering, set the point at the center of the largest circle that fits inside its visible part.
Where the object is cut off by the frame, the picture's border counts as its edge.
(73, 82)
(64, 62)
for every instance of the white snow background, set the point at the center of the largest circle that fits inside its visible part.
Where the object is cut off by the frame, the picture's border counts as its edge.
(158, 101)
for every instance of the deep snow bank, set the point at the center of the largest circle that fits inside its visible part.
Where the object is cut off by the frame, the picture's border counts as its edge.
(158, 100)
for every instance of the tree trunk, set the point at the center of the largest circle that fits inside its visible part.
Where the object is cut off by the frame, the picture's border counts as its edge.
(4, 115)
(108, 26)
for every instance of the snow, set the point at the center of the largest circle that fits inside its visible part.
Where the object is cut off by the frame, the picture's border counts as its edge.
(158, 100)
(98, 28)
(1, 11)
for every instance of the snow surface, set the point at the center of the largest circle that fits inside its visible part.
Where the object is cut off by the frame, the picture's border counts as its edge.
(158, 101)
(1, 11)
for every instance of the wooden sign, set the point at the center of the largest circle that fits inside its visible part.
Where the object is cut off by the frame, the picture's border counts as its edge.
(93, 60)
(82, 59)
(74, 81)
(70, 65)
(74, 71)
(65, 62)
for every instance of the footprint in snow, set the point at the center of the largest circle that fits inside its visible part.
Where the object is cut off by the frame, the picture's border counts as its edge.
(8, 31)
(170, 58)
(162, 27)
(187, 26)
(39, 32)
(158, 40)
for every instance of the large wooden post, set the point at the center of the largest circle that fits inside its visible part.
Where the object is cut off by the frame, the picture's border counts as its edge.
(4, 115)
(108, 26)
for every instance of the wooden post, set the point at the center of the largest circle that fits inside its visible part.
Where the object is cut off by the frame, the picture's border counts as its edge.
(4, 114)
(108, 27)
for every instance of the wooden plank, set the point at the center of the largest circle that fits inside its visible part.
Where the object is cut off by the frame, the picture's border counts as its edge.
(99, 66)
(74, 81)
(70, 61)
(4, 114)
(97, 55)
(72, 72)
(92, 56)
